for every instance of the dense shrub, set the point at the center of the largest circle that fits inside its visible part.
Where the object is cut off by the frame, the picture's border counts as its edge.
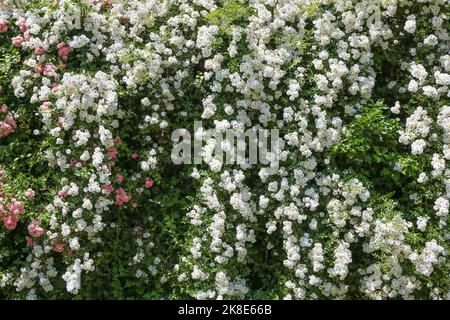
(92, 205)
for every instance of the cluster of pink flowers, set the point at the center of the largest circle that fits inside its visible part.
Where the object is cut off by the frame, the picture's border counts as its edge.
(30, 193)
(18, 40)
(10, 211)
(119, 178)
(8, 125)
(107, 189)
(35, 230)
(3, 26)
(46, 105)
(122, 197)
(39, 51)
(148, 183)
(112, 153)
(47, 69)
(59, 247)
(63, 50)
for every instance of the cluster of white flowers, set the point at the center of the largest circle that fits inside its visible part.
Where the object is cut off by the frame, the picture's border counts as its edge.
(429, 256)
(73, 273)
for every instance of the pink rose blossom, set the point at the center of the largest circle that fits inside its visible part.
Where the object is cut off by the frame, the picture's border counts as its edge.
(49, 69)
(23, 26)
(29, 241)
(39, 68)
(148, 183)
(11, 121)
(122, 196)
(119, 178)
(46, 105)
(62, 194)
(27, 36)
(5, 129)
(10, 221)
(56, 87)
(15, 207)
(112, 153)
(58, 247)
(107, 188)
(30, 193)
(135, 155)
(63, 50)
(35, 230)
(3, 26)
(39, 50)
(17, 41)
(4, 109)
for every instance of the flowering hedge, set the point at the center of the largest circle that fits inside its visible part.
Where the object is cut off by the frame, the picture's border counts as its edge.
(92, 206)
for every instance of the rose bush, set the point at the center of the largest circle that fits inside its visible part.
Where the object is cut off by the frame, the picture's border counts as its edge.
(92, 206)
